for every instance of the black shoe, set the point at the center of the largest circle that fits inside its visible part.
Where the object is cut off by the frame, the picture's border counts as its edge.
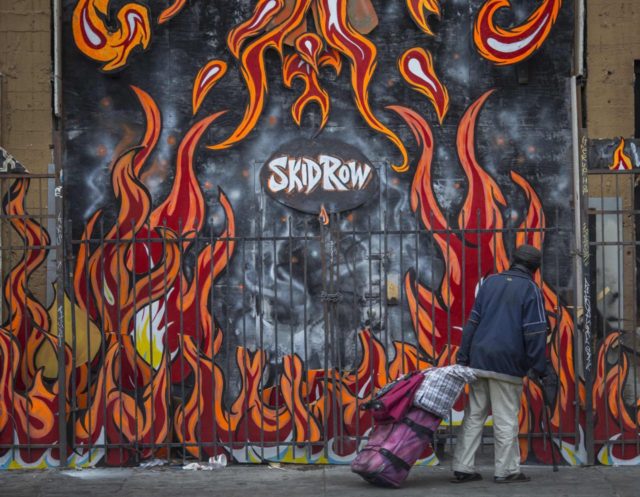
(460, 477)
(515, 478)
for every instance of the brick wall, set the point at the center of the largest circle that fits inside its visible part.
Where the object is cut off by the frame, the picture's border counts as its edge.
(613, 43)
(25, 114)
(25, 61)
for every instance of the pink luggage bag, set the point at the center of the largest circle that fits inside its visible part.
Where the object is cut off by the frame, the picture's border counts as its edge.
(394, 448)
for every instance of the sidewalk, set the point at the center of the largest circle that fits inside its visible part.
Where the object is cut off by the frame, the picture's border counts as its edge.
(310, 481)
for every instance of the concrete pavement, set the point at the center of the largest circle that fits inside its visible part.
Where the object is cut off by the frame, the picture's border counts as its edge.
(310, 481)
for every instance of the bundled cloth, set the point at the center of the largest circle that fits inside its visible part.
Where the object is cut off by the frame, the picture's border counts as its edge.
(441, 388)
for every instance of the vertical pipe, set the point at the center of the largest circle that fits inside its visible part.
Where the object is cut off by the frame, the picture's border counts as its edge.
(580, 20)
(580, 185)
(1, 118)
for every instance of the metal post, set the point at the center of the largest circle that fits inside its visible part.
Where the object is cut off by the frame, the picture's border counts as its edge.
(59, 234)
(60, 274)
(587, 334)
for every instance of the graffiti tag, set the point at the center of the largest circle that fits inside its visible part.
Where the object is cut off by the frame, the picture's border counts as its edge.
(308, 175)
(304, 175)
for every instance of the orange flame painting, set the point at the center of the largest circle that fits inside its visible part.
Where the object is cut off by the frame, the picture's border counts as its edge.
(171, 11)
(334, 30)
(621, 161)
(416, 67)
(206, 79)
(420, 10)
(98, 42)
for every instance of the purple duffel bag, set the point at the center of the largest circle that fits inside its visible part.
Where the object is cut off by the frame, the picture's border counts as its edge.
(394, 448)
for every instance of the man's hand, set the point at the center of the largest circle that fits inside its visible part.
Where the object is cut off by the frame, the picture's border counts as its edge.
(537, 376)
(461, 358)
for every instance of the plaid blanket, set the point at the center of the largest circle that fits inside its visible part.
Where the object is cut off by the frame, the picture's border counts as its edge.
(441, 388)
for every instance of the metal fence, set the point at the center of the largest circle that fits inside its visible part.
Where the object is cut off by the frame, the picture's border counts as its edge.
(30, 265)
(265, 347)
(179, 343)
(614, 252)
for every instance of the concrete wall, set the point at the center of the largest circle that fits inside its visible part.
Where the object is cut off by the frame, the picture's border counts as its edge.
(613, 43)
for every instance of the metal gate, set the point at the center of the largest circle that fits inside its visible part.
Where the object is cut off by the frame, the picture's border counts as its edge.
(186, 344)
(264, 348)
(612, 217)
(32, 396)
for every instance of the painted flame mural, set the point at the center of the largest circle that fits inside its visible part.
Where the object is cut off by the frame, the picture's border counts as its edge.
(510, 46)
(183, 334)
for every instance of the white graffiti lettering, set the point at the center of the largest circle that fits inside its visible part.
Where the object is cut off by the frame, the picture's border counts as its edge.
(305, 175)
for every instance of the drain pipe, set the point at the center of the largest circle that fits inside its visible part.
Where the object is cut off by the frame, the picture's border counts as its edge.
(57, 55)
(1, 106)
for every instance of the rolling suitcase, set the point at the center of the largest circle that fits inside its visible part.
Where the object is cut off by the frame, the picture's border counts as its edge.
(394, 448)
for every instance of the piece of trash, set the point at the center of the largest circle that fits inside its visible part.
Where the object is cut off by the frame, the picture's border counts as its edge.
(154, 463)
(217, 462)
(276, 465)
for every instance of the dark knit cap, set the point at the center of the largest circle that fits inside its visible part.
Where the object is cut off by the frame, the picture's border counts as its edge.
(528, 256)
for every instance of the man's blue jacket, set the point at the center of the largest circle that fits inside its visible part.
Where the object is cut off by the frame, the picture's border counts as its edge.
(506, 331)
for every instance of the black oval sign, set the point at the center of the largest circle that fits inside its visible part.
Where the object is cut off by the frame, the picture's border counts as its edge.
(309, 174)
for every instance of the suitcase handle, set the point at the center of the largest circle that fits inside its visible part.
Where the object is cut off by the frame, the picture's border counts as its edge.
(422, 431)
(395, 460)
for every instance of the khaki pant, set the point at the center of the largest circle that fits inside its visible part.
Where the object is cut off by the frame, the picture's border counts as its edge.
(504, 400)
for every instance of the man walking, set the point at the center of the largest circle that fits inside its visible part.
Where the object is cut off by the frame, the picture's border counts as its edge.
(504, 338)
